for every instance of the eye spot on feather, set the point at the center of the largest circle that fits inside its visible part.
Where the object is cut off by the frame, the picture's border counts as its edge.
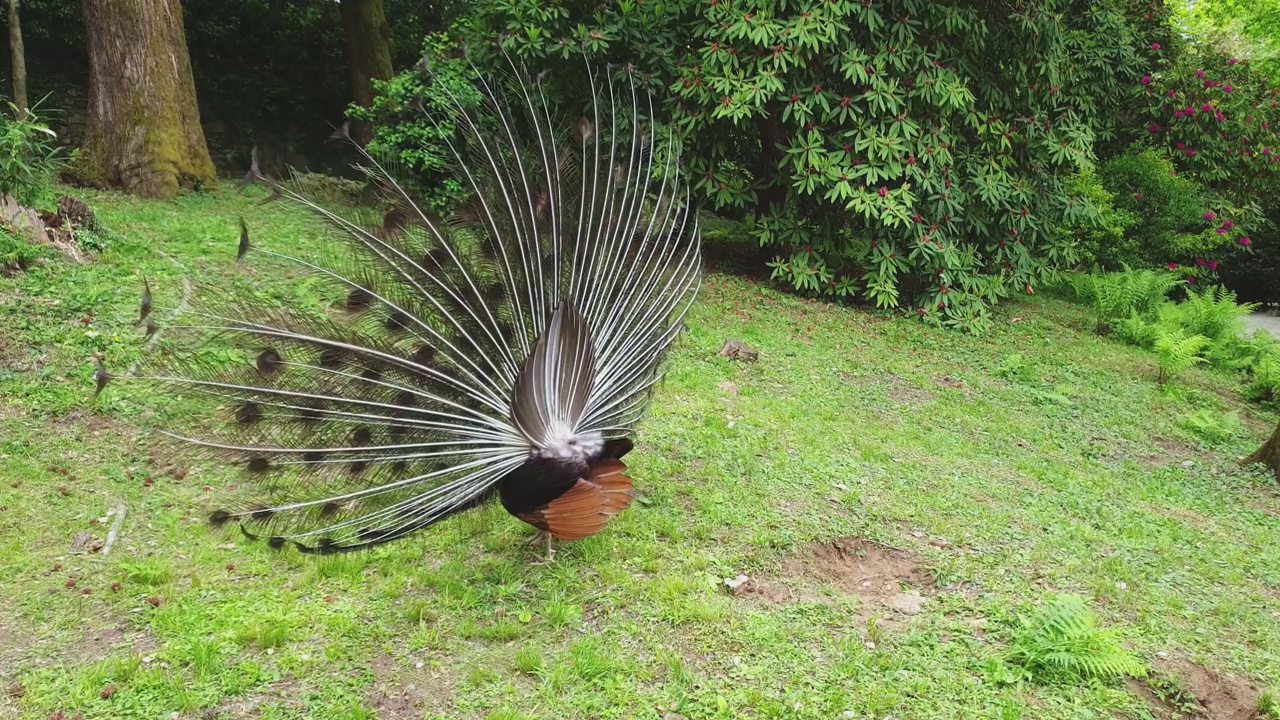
(262, 514)
(258, 465)
(397, 321)
(494, 295)
(361, 436)
(248, 413)
(329, 509)
(372, 375)
(435, 259)
(275, 542)
(331, 357)
(358, 466)
(218, 518)
(367, 534)
(268, 362)
(399, 467)
(359, 299)
(312, 456)
(407, 399)
(424, 355)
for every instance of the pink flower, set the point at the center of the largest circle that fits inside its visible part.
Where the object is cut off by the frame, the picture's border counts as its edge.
(1232, 61)
(1200, 74)
(1246, 241)
(1222, 231)
(1170, 92)
(1146, 80)
(1199, 261)
(1208, 215)
(1213, 264)
(1188, 111)
(1177, 114)
(1191, 279)
(1207, 108)
(1208, 83)
(1266, 151)
(1228, 224)
(1220, 116)
(1227, 88)
(883, 191)
(1181, 145)
(1173, 266)
(1153, 128)
(1155, 46)
(1191, 152)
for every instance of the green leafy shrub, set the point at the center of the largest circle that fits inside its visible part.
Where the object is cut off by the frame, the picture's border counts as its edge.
(17, 254)
(1166, 213)
(1063, 643)
(1264, 383)
(1117, 295)
(1176, 351)
(413, 119)
(903, 152)
(1211, 427)
(1212, 312)
(1100, 225)
(29, 159)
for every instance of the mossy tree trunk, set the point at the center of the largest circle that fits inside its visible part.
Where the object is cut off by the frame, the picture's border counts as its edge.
(17, 60)
(364, 23)
(1268, 454)
(143, 131)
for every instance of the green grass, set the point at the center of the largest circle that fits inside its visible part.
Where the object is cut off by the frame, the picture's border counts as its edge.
(1046, 457)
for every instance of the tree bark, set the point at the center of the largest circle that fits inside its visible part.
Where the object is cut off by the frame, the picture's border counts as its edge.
(17, 61)
(143, 131)
(1268, 454)
(364, 23)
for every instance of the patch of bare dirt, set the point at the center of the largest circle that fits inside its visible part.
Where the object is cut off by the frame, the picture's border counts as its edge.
(764, 590)
(286, 691)
(860, 567)
(400, 693)
(900, 391)
(1183, 690)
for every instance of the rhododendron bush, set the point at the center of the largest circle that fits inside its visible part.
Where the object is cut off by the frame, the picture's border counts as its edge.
(908, 153)
(1216, 118)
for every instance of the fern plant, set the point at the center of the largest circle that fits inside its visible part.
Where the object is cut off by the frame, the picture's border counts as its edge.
(1121, 294)
(1210, 427)
(1264, 385)
(1176, 351)
(1137, 331)
(1063, 642)
(1213, 313)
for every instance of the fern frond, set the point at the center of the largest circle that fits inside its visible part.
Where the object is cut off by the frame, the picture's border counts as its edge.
(1064, 642)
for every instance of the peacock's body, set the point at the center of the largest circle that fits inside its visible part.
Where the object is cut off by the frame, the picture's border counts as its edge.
(507, 351)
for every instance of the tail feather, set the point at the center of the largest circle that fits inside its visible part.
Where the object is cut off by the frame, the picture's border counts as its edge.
(562, 280)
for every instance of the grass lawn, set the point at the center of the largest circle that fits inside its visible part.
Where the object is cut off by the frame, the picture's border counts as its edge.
(862, 456)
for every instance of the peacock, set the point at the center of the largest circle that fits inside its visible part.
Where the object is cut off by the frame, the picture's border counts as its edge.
(505, 350)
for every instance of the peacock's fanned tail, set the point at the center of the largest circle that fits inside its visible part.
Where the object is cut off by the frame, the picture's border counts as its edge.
(562, 281)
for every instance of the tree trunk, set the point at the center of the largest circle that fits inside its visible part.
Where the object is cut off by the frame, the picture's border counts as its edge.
(143, 131)
(17, 61)
(364, 23)
(1268, 454)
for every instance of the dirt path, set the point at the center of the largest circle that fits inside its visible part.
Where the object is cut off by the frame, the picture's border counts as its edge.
(1263, 320)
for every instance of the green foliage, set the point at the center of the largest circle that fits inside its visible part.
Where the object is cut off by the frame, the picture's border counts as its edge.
(16, 254)
(1063, 643)
(1176, 351)
(29, 159)
(1210, 426)
(1212, 312)
(1165, 212)
(412, 119)
(1118, 295)
(1264, 383)
(910, 153)
(1098, 223)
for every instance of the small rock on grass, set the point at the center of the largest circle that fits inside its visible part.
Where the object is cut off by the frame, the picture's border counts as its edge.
(908, 603)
